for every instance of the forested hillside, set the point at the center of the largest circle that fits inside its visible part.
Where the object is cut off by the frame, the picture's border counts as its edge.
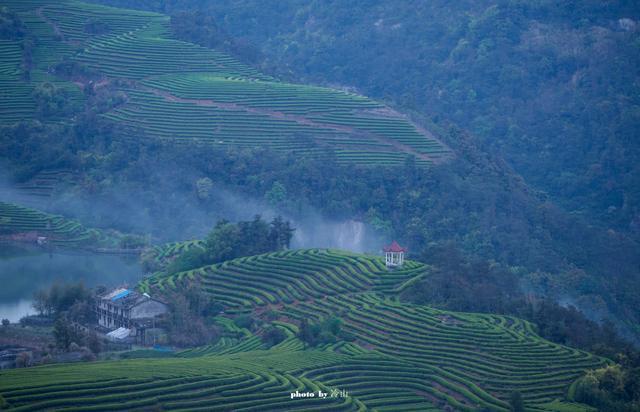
(552, 86)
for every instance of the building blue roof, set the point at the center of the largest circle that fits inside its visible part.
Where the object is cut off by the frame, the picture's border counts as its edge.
(121, 295)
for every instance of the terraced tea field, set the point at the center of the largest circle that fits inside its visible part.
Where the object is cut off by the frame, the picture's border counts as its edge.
(19, 223)
(404, 356)
(397, 356)
(401, 356)
(15, 220)
(242, 382)
(44, 184)
(15, 95)
(183, 92)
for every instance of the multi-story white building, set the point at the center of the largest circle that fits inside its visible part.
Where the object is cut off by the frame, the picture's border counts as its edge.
(125, 308)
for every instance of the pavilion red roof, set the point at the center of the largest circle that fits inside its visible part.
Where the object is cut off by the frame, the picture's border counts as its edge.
(394, 247)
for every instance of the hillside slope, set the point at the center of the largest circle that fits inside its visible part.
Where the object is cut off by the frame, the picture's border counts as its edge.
(550, 86)
(171, 89)
(400, 355)
(19, 223)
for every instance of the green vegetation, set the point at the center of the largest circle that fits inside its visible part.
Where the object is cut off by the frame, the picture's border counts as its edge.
(16, 103)
(21, 223)
(16, 220)
(184, 92)
(612, 388)
(225, 241)
(238, 382)
(474, 200)
(383, 352)
(551, 87)
(108, 93)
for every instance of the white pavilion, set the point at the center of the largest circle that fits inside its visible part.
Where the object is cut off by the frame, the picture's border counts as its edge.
(394, 255)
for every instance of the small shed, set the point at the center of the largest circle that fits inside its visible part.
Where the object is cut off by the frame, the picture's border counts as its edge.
(119, 334)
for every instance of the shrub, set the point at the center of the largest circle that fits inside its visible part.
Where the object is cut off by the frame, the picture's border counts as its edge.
(87, 355)
(23, 359)
(326, 331)
(272, 336)
(244, 321)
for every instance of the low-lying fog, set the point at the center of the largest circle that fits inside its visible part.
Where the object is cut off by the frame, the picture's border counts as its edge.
(170, 214)
(165, 215)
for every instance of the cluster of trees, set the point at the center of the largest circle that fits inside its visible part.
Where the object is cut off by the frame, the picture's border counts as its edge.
(459, 282)
(72, 305)
(196, 27)
(273, 335)
(52, 100)
(468, 284)
(190, 322)
(231, 240)
(72, 298)
(11, 27)
(326, 331)
(551, 86)
(612, 388)
(246, 238)
(72, 338)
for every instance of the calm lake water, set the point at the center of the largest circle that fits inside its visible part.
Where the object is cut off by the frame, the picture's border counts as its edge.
(25, 271)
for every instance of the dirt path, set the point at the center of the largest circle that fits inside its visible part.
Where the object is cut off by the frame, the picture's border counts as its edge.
(298, 119)
(54, 26)
(383, 112)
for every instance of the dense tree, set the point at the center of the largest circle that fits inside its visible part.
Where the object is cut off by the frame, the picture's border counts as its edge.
(51, 100)
(186, 323)
(611, 389)
(230, 240)
(553, 91)
(326, 331)
(11, 27)
(65, 333)
(202, 29)
(273, 335)
(68, 297)
(245, 322)
(280, 233)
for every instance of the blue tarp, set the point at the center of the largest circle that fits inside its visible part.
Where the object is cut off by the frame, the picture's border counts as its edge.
(120, 295)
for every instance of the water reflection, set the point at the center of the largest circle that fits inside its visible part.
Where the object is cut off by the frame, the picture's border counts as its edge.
(23, 271)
